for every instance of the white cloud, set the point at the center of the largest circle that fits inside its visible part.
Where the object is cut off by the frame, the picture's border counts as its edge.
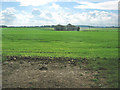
(84, 4)
(40, 2)
(23, 18)
(100, 18)
(55, 6)
(9, 0)
(34, 2)
(55, 14)
(8, 16)
(108, 5)
(37, 2)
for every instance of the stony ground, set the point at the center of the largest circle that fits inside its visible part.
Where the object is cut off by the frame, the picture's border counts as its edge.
(45, 74)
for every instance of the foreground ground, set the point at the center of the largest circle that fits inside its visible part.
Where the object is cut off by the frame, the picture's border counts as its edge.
(48, 74)
(28, 72)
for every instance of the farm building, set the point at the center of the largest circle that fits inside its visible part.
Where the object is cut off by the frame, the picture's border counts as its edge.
(60, 28)
(71, 27)
(68, 27)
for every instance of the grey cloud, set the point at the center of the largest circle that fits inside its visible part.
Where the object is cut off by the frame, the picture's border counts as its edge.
(36, 12)
(49, 15)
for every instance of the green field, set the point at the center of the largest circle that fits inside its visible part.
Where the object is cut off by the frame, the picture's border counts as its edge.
(46, 42)
(99, 47)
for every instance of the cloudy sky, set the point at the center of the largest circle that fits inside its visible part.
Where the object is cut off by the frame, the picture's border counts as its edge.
(50, 12)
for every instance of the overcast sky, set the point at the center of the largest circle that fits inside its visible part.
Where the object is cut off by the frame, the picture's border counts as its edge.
(50, 12)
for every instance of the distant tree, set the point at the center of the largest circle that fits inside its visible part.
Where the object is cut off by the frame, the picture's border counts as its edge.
(78, 29)
(3, 26)
(52, 26)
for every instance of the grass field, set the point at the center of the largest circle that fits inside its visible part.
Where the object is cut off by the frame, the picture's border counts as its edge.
(44, 42)
(99, 47)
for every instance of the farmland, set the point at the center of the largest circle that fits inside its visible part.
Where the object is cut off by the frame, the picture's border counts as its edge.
(40, 42)
(99, 47)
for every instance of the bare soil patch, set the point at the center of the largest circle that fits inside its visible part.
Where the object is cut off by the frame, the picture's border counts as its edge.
(46, 74)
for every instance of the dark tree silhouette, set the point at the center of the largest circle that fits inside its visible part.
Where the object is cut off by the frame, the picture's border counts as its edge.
(78, 29)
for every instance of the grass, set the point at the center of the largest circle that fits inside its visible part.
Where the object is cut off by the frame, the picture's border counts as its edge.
(38, 42)
(100, 48)
(107, 68)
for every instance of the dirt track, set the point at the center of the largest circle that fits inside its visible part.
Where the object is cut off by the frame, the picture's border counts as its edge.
(39, 74)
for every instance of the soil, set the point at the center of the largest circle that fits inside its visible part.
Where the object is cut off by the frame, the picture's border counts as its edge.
(46, 74)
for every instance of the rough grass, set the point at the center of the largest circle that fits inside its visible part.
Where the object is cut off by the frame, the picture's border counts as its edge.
(107, 68)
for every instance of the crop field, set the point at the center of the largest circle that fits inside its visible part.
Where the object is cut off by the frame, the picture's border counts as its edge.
(99, 47)
(46, 42)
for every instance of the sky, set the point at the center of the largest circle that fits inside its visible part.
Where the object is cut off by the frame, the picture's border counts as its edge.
(53, 12)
